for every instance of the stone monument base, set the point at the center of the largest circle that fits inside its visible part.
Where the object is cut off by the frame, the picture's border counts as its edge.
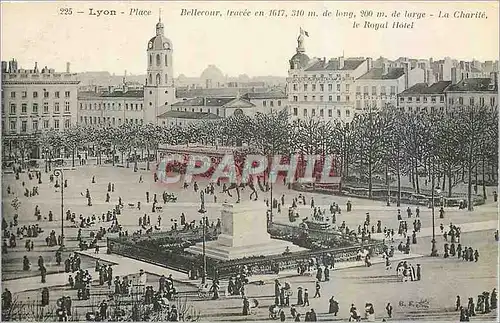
(243, 234)
(217, 251)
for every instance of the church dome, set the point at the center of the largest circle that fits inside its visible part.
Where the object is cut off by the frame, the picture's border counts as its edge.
(300, 59)
(159, 42)
(212, 72)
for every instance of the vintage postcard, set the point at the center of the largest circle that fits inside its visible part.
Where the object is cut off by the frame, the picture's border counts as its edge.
(249, 161)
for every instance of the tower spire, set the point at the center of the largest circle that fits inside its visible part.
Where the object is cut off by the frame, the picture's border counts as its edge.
(159, 16)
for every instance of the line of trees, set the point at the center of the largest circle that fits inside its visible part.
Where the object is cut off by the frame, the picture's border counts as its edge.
(377, 144)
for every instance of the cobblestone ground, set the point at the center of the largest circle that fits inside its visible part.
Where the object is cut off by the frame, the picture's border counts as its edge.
(443, 279)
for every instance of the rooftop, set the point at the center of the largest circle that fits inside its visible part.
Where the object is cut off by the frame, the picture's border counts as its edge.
(423, 88)
(378, 74)
(481, 84)
(188, 115)
(114, 94)
(333, 65)
(265, 95)
(212, 102)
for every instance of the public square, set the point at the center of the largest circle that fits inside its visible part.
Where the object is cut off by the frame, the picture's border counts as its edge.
(350, 283)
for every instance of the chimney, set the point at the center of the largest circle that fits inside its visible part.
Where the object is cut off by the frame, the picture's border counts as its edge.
(68, 67)
(10, 67)
(369, 63)
(36, 67)
(341, 62)
(453, 75)
(4, 67)
(406, 70)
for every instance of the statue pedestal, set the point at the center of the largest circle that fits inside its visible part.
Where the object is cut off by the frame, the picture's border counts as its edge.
(243, 234)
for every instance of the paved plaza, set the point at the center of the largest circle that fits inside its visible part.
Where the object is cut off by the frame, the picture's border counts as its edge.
(350, 283)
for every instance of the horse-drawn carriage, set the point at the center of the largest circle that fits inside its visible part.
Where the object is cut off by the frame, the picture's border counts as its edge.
(170, 197)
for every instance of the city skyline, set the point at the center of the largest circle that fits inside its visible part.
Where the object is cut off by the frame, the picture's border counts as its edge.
(118, 43)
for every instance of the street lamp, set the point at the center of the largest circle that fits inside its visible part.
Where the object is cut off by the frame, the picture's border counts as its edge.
(433, 247)
(271, 176)
(202, 211)
(388, 189)
(58, 172)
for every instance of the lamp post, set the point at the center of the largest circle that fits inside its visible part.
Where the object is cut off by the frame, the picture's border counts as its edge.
(58, 172)
(202, 211)
(433, 247)
(388, 188)
(271, 179)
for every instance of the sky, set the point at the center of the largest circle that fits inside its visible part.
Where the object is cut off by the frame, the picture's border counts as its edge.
(256, 46)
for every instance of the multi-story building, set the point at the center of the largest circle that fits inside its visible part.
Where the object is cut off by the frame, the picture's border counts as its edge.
(323, 89)
(473, 92)
(379, 87)
(424, 98)
(111, 108)
(199, 109)
(267, 101)
(446, 97)
(35, 100)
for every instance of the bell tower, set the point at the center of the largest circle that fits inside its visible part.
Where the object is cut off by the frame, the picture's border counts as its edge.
(159, 91)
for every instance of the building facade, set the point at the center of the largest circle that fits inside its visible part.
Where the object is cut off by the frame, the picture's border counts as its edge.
(35, 100)
(424, 98)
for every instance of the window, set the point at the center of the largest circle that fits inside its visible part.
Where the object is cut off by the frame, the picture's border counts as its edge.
(45, 124)
(450, 101)
(13, 125)
(295, 98)
(433, 99)
(56, 124)
(126, 106)
(305, 87)
(34, 125)
(433, 109)
(12, 108)
(338, 98)
(314, 87)
(330, 98)
(330, 87)
(295, 87)
(424, 99)
(313, 112)
(24, 94)
(322, 87)
(313, 98)
(358, 104)
(393, 90)
(24, 126)
(46, 94)
(66, 106)
(409, 99)
(56, 94)
(279, 103)
(417, 99)
(382, 90)
(358, 89)
(321, 113)
(347, 86)
(441, 99)
(264, 103)
(365, 89)
(295, 112)
(305, 97)
(460, 100)
(471, 101)
(401, 99)
(347, 113)
(338, 86)
(347, 98)
(492, 101)
(24, 107)
(35, 95)
(13, 95)
(339, 114)
(321, 98)
(158, 60)
(66, 94)
(166, 60)
(272, 103)
(45, 107)
(305, 112)
(417, 109)
(56, 107)
(481, 101)
(67, 123)
(329, 113)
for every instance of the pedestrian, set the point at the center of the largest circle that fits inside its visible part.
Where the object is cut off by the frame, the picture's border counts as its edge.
(419, 272)
(388, 309)
(318, 288)
(306, 298)
(334, 306)
(457, 303)
(43, 273)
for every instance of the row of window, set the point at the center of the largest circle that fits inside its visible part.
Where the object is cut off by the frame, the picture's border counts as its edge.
(434, 99)
(35, 125)
(422, 109)
(321, 98)
(46, 94)
(158, 60)
(321, 113)
(200, 110)
(109, 120)
(323, 75)
(111, 106)
(271, 103)
(460, 100)
(375, 90)
(321, 87)
(34, 108)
